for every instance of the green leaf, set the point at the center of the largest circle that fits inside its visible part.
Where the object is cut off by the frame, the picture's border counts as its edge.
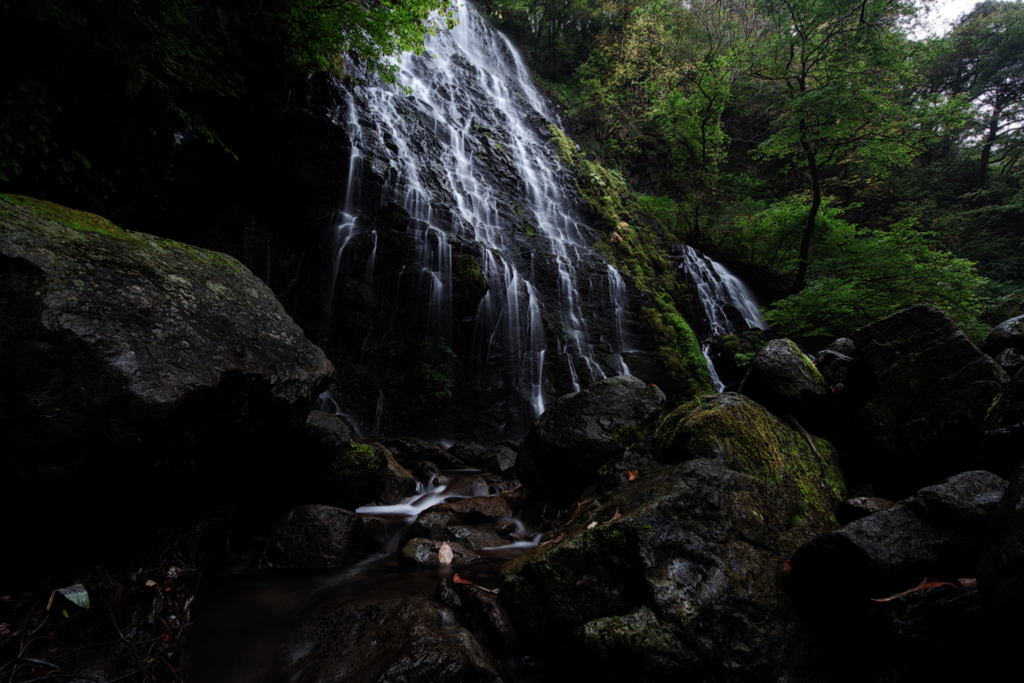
(76, 594)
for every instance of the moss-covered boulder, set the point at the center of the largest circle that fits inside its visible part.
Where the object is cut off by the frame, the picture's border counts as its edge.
(934, 389)
(578, 433)
(130, 359)
(785, 381)
(679, 569)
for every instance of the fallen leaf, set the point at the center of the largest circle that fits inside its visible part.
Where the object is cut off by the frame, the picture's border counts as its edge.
(786, 567)
(921, 586)
(592, 525)
(5, 628)
(556, 539)
(150, 583)
(633, 475)
(968, 583)
(459, 579)
(445, 554)
(614, 517)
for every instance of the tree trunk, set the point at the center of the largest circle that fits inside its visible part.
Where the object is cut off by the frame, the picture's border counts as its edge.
(812, 215)
(986, 149)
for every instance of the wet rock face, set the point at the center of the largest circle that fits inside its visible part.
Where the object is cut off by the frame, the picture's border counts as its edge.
(688, 579)
(1001, 569)
(427, 552)
(414, 639)
(934, 390)
(784, 381)
(578, 433)
(481, 611)
(938, 531)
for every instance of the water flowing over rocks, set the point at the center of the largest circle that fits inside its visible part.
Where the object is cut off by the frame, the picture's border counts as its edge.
(579, 432)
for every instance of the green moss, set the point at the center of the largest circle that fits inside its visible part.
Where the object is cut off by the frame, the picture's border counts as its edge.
(566, 147)
(77, 220)
(362, 456)
(627, 436)
(472, 285)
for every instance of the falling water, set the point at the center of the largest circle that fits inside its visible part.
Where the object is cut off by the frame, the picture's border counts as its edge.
(467, 144)
(717, 290)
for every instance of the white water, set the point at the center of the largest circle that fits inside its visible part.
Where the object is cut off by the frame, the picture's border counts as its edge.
(468, 90)
(716, 289)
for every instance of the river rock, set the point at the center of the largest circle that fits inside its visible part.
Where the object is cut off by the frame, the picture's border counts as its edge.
(579, 432)
(1003, 445)
(938, 531)
(358, 474)
(330, 428)
(115, 338)
(425, 551)
(1008, 334)
(934, 390)
(480, 611)
(680, 570)
(476, 509)
(852, 509)
(442, 525)
(785, 381)
(469, 453)
(410, 639)
(312, 537)
(500, 460)
(837, 361)
(409, 450)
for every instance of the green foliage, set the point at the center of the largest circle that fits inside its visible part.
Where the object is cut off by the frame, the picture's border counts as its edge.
(362, 455)
(437, 371)
(860, 276)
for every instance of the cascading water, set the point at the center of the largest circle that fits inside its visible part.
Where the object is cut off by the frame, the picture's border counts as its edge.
(466, 153)
(720, 292)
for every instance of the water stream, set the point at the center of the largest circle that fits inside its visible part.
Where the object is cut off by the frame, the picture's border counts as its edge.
(720, 293)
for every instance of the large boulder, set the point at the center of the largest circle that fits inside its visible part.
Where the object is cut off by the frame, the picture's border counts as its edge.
(679, 570)
(1008, 334)
(938, 531)
(934, 390)
(117, 341)
(412, 639)
(1003, 445)
(785, 381)
(579, 432)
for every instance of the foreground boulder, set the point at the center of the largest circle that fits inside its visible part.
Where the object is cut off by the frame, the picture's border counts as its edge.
(413, 639)
(1001, 569)
(115, 340)
(679, 570)
(316, 537)
(785, 381)
(934, 390)
(578, 433)
(938, 531)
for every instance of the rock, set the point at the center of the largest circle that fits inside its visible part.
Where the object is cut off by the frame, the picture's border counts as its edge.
(425, 551)
(375, 533)
(1001, 569)
(852, 509)
(836, 362)
(785, 381)
(476, 509)
(312, 537)
(579, 432)
(442, 525)
(410, 639)
(331, 428)
(410, 450)
(1003, 444)
(1008, 334)
(934, 389)
(1011, 361)
(745, 437)
(682, 572)
(480, 611)
(470, 453)
(500, 460)
(359, 474)
(116, 338)
(938, 531)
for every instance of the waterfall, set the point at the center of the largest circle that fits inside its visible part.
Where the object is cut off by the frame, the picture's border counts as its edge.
(463, 147)
(718, 291)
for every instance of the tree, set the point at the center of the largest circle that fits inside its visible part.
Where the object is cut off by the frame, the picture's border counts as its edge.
(842, 71)
(984, 61)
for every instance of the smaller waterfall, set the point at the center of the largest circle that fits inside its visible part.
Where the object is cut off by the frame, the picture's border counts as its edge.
(719, 290)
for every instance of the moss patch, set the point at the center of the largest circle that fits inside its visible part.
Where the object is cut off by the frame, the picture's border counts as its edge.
(82, 221)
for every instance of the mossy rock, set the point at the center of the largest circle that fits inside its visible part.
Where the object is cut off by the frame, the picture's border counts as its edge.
(785, 381)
